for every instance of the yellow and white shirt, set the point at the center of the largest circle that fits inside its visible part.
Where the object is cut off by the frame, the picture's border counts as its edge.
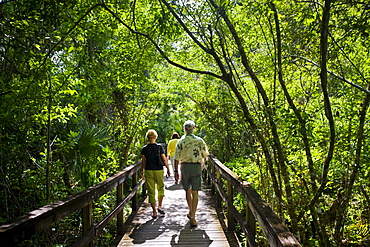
(191, 149)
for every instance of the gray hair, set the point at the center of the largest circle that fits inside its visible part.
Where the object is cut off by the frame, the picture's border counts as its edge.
(189, 127)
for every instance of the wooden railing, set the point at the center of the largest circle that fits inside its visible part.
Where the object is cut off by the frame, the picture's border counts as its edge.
(257, 209)
(42, 218)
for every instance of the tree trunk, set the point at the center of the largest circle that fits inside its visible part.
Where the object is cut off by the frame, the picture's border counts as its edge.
(270, 116)
(48, 148)
(328, 113)
(356, 169)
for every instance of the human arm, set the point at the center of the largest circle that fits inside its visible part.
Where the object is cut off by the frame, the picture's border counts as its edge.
(176, 171)
(204, 162)
(204, 152)
(143, 165)
(165, 161)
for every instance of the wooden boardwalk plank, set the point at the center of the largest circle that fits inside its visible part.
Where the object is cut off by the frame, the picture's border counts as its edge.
(174, 229)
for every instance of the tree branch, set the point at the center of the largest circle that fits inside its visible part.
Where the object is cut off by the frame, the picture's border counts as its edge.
(158, 48)
(332, 73)
(185, 27)
(69, 32)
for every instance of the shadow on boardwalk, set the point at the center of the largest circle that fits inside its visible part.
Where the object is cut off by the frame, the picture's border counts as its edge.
(174, 229)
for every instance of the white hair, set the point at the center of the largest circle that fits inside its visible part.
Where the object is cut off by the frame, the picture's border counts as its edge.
(189, 127)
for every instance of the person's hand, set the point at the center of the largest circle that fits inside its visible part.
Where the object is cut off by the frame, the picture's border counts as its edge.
(168, 173)
(143, 177)
(176, 176)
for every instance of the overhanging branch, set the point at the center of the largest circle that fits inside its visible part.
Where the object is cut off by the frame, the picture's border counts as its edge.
(158, 48)
(69, 32)
(334, 74)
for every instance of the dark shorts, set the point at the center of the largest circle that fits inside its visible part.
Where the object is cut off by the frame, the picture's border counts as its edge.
(191, 176)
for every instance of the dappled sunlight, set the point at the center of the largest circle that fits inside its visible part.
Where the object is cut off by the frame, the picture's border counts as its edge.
(173, 228)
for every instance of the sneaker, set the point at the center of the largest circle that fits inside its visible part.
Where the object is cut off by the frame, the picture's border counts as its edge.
(193, 222)
(161, 211)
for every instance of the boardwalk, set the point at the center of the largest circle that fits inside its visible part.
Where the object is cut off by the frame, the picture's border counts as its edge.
(174, 229)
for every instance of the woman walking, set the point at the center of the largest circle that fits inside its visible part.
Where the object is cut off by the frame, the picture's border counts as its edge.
(171, 148)
(152, 169)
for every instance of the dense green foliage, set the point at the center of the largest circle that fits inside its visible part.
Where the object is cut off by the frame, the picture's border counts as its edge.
(278, 89)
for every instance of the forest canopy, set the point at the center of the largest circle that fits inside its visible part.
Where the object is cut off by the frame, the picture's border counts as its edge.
(279, 91)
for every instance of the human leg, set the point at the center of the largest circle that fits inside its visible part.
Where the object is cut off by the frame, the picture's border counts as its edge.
(194, 203)
(172, 159)
(196, 177)
(196, 185)
(160, 188)
(189, 201)
(186, 186)
(154, 213)
(180, 173)
(150, 182)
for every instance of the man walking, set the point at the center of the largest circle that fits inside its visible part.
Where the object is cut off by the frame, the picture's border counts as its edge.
(191, 153)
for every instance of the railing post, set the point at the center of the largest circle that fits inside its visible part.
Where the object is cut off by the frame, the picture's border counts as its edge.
(213, 172)
(134, 199)
(208, 171)
(251, 223)
(218, 197)
(87, 220)
(120, 192)
(230, 199)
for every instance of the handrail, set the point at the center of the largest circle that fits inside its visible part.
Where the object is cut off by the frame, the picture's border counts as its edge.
(257, 209)
(36, 221)
(275, 231)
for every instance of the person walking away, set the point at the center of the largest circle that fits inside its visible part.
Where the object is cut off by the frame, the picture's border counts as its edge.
(191, 153)
(171, 148)
(152, 170)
